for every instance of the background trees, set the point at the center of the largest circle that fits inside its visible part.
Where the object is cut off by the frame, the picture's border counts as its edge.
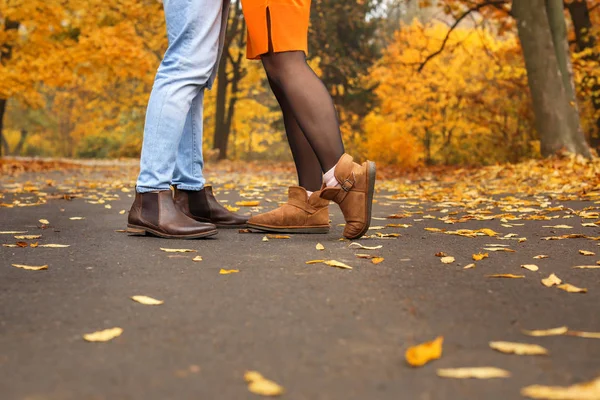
(415, 82)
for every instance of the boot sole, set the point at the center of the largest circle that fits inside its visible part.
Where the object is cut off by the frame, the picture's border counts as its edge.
(371, 176)
(243, 226)
(143, 231)
(319, 229)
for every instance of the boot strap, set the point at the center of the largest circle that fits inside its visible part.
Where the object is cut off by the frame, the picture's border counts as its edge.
(302, 205)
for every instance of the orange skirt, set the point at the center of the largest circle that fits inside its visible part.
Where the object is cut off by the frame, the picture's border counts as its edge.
(289, 25)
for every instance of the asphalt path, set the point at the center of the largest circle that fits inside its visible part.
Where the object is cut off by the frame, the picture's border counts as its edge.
(320, 332)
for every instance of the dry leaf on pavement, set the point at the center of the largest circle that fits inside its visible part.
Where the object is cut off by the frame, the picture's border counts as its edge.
(247, 203)
(521, 349)
(474, 372)
(505, 276)
(587, 267)
(419, 355)
(360, 246)
(480, 256)
(258, 384)
(551, 281)
(377, 260)
(469, 266)
(441, 254)
(30, 267)
(53, 246)
(589, 335)
(44, 221)
(447, 260)
(197, 258)
(561, 330)
(320, 247)
(270, 236)
(580, 391)
(567, 287)
(149, 301)
(541, 256)
(12, 232)
(499, 249)
(228, 271)
(178, 250)
(530, 267)
(27, 237)
(76, 218)
(559, 227)
(103, 336)
(582, 252)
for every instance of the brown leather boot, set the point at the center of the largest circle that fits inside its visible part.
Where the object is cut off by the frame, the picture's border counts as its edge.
(203, 206)
(155, 213)
(300, 214)
(354, 196)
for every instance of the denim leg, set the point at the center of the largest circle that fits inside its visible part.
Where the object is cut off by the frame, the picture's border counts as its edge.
(188, 173)
(189, 162)
(193, 28)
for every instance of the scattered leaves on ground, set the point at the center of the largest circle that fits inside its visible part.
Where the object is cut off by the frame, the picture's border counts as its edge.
(530, 267)
(149, 301)
(228, 271)
(197, 258)
(419, 355)
(30, 267)
(271, 236)
(510, 276)
(567, 287)
(541, 256)
(561, 330)
(447, 260)
(521, 349)
(581, 391)
(320, 247)
(586, 253)
(103, 336)
(480, 256)
(258, 384)
(360, 246)
(474, 372)
(247, 203)
(44, 221)
(177, 250)
(551, 281)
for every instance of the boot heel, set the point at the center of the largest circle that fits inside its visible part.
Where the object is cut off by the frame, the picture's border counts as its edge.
(136, 231)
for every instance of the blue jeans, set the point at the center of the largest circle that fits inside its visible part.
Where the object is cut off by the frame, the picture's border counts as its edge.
(172, 146)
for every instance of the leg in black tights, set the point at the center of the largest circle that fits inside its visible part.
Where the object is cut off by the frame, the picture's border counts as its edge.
(307, 164)
(306, 104)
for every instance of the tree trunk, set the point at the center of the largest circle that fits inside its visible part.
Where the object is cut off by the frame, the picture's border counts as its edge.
(19, 148)
(582, 24)
(5, 55)
(557, 120)
(4, 144)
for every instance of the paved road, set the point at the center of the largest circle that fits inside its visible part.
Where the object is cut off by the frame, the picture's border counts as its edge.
(321, 332)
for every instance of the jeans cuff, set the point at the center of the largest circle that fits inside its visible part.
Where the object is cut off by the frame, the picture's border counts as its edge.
(188, 187)
(145, 189)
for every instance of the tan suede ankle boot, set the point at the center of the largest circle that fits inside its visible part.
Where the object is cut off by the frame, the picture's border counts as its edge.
(300, 214)
(354, 195)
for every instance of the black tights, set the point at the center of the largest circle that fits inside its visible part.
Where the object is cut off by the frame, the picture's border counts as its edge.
(310, 118)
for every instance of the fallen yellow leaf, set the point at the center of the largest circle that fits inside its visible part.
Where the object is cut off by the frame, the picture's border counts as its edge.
(559, 227)
(377, 260)
(582, 252)
(488, 232)
(360, 246)
(228, 271)
(76, 218)
(587, 267)
(177, 250)
(247, 203)
(447, 260)
(258, 384)
(469, 266)
(122, 212)
(475, 372)
(12, 232)
(197, 258)
(28, 237)
(103, 336)
(547, 332)
(417, 356)
(315, 262)
(30, 267)
(541, 256)
(551, 281)
(54, 246)
(270, 236)
(499, 249)
(480, 256)
(337, 264)
(44, 221)
(505, 276)
(580, 391)
(149, 301)
(320, 247)
(530, 267)
(589, 335)
(231, 208)
(567, 287)
(522, 349)
(265, 239)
